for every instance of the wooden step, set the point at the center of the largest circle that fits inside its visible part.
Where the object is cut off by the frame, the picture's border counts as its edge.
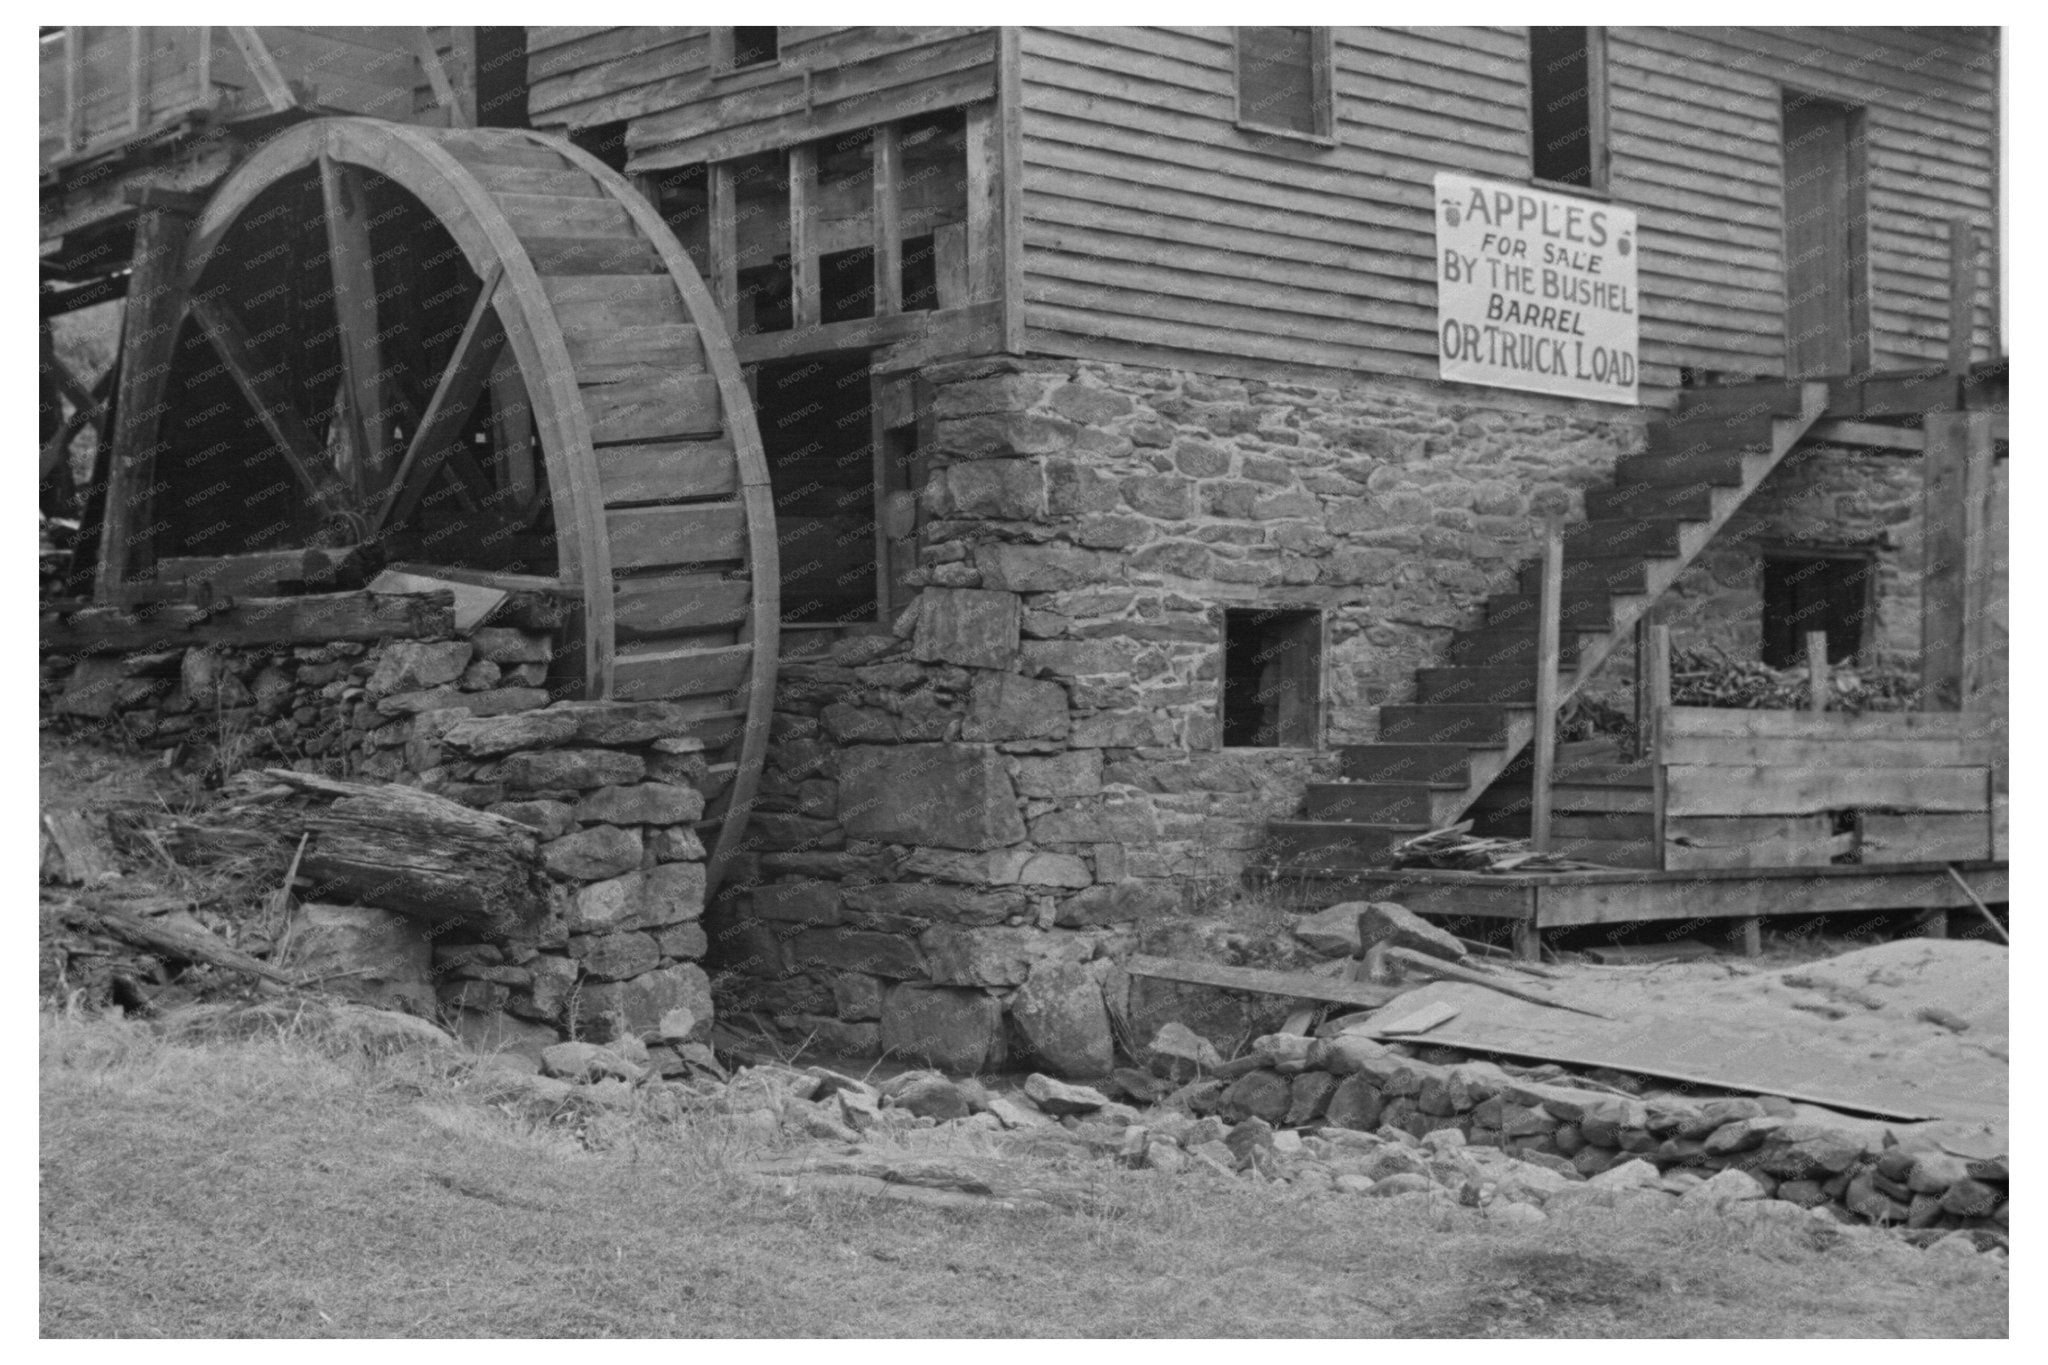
(1763, 397)
(1432, 763)
(1721, 468)
(1624, 538)
(1576, 611)
(1508, 646)
(1422, 724)
(1459, 686)
(1588, 576)
(1687, 501)
(1688, 436)
(1332, 845)
(1380, 803)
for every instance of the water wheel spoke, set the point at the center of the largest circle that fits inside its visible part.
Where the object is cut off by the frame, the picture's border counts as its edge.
(268, 391)
(366, 458)
(438, 440)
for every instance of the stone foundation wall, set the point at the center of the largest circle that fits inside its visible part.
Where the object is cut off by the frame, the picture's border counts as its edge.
(966, 815)
(1823, 497)
(611, 789)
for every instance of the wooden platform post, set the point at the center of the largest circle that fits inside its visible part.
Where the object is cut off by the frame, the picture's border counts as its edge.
(1962, 293)
(1544, 758)
(1655, 703)
(1955, 578)
(1816, 670)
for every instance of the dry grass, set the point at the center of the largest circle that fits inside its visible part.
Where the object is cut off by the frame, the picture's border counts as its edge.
(276, 1185)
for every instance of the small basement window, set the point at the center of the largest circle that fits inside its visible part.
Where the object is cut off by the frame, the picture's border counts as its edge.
(752, 47)
(1568, 106)
(1283, 81)
(1808, 592)
(1272, 677)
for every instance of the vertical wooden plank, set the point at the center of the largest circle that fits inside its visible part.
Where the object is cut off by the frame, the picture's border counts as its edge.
(984, 203)
(950, 251)
(1751, 928)
(1547, 653)
(74, 89)
(205, 72)
(1962, 292)
(1596, 104)
(1657, 699)
(1010, 111)
(803, 251)
(1816, 670)
(149, 330)
(1954, 588)
(512, 431)
(138, 77)
(724, 230)
(888, 154)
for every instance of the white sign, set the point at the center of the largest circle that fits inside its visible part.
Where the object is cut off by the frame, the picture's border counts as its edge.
(1535, 291)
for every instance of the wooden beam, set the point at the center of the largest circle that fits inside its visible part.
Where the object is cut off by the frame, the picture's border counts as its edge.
(1962, 293)
(366, 463)
(437, 77)
(469, 370)
(723, 231)
(1872, 435)
(1548, 650)
(149, 328)
(74, 90)
(138, 78)
(277, 91)
(1954, 588)
(1010, 113)
(1655, 743)
(984, 204)
(267, 390)
(888, 154)
(803, 250)
(313, 619)
(1297, 985)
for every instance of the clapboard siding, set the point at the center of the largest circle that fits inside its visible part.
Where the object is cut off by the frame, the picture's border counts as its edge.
(1154, 225)
(659, 80)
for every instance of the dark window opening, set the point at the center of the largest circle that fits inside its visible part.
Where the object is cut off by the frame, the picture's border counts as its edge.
(605, 141)
(683, 197)
(761, 241)
(920, 274)
(1283, 81)
(501, 78)
(1272, 677)
(754, 47)
(1562, 107)
(846, 285)
(1804, 593)
(816, 418)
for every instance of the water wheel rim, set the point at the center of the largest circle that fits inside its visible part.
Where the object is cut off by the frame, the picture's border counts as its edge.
(428, 165)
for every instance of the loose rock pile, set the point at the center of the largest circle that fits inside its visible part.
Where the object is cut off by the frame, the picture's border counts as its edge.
(1346, 1117)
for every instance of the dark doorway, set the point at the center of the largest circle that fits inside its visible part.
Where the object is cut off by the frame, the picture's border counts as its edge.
(1804, 593)
(1827, 299)
(816, 417)
(1272, 677)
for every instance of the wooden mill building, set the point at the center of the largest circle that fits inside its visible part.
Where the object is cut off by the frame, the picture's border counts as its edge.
(1070, 437)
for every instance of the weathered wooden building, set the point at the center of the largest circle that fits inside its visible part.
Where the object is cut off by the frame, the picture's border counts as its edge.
(1142, 512)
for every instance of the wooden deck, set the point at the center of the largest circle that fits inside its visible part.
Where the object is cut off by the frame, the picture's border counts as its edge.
(1535, 901)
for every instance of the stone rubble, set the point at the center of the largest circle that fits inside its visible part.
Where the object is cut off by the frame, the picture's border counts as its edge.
(1471, 1135)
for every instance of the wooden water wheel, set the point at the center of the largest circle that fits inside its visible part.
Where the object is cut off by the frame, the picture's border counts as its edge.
(477, 354)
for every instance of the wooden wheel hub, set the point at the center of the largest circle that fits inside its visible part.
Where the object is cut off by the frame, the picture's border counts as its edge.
(477, 350)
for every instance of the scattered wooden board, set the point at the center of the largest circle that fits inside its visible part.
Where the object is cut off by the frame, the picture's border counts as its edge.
(1298, 985)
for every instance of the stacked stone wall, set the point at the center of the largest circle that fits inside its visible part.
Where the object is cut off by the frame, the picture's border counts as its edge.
(612, 790)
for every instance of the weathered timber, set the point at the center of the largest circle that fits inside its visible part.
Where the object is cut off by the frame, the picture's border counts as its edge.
(420, 855)
(1298, 985)
(251, 621)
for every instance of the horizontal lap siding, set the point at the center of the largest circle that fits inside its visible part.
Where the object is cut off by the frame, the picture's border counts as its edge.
(1930, 102)
(1154, 225)
(681, 112)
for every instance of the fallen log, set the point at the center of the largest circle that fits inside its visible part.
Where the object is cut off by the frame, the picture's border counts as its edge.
(175, 941)
(419, 855)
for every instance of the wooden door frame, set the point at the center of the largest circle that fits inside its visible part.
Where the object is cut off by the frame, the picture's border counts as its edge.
(1862, 345)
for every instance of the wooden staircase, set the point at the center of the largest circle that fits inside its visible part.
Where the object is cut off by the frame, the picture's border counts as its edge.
(1471, 720)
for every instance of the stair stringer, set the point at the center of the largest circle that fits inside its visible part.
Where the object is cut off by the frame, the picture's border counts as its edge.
(1660, 574)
